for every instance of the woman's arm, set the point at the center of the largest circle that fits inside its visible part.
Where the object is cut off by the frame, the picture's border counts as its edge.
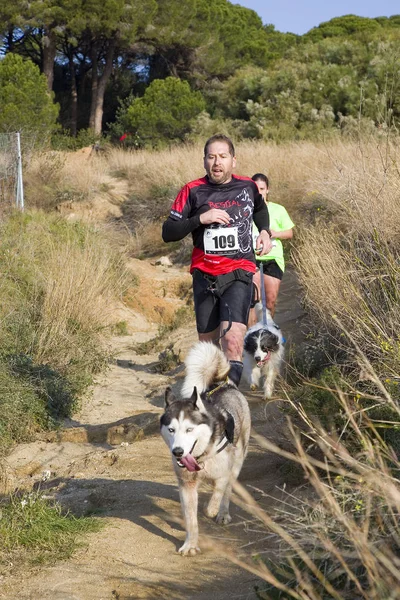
(287, 234)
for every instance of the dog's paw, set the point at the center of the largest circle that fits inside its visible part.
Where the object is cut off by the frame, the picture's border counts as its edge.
(211, 511)
(223, 519)
(253, 387)
(189, 550)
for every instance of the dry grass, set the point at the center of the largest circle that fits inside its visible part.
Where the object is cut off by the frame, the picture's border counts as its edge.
(144, 240)
(154, 178)
(78, 294)
(289, 167)
(55, 177)
(342, 195)
(344, 543)
(58, 286)
(363, 183)
(343, 540)
(348, 260)
(146, 169)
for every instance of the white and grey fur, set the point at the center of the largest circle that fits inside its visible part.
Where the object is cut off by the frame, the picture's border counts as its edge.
(208, 432)
(263, 353)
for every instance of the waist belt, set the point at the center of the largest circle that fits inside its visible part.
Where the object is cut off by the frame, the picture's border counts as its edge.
(220, 283)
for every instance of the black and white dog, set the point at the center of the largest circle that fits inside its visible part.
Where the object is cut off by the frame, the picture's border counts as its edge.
(207, 431)
(263, 353)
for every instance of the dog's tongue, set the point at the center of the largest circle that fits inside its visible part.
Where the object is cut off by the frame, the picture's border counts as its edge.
(190, 463)
(259, 364)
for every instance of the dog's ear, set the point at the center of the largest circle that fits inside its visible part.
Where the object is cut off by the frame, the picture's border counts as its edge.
(197, 401)
(169, 396)
(193, 397)
(270, 339)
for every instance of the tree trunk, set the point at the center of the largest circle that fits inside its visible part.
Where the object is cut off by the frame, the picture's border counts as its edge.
(95, 82)
(101, 90)
(74, 96)
(49, 55)
(10, 39)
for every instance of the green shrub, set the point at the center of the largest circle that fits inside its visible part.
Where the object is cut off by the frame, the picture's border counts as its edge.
(22, 411)
(165, 113)
(56, 392)
(35, 531)
(26, 104)
(120, 328)
(85, 137)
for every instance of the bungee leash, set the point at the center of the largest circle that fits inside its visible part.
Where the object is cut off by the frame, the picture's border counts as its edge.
(263, 298)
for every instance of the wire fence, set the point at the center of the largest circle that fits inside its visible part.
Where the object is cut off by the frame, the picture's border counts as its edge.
(11, 180)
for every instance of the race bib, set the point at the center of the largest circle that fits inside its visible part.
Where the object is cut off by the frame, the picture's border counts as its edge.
(221, 240)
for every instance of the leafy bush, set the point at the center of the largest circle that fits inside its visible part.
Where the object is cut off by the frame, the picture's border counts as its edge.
(165, 113)
(22, 411)
(327, 87)
(26, 104)
(85, 137)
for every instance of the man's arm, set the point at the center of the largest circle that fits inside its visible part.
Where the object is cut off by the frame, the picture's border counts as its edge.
(174, 230)
(261, 214)
(261, 219)
(180, 221)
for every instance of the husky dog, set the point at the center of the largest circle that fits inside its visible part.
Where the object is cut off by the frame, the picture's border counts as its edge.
(263, 353)
(207, 432)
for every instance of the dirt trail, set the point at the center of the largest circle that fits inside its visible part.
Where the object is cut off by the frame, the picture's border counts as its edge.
(97, 467)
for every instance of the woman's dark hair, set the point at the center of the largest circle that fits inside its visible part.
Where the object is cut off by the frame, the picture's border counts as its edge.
(261, 177)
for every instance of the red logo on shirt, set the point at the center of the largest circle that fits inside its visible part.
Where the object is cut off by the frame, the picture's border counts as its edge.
(224, 205)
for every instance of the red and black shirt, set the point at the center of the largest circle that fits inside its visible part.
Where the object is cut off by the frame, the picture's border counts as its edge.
(218, 249)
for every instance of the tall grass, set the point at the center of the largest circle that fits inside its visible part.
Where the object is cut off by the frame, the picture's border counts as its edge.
(53, 177)
(154, 179)
(341, 538)
(59, 282)
(348, 260)
(289, 167)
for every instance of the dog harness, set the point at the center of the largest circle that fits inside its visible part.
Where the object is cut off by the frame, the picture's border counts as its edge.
(227, 437)
(222, 444)
(218, 387)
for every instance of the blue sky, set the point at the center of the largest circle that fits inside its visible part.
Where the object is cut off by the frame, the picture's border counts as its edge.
(299, 16)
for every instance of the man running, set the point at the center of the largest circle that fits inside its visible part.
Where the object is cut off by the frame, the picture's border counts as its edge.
(218, 210)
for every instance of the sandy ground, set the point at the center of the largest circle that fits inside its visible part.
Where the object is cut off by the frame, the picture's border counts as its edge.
(110, 461)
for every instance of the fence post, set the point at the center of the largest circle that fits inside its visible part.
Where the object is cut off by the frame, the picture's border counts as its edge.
(20, 183)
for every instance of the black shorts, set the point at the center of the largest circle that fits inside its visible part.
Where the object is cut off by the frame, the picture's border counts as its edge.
(211, 310)
(271, 268)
